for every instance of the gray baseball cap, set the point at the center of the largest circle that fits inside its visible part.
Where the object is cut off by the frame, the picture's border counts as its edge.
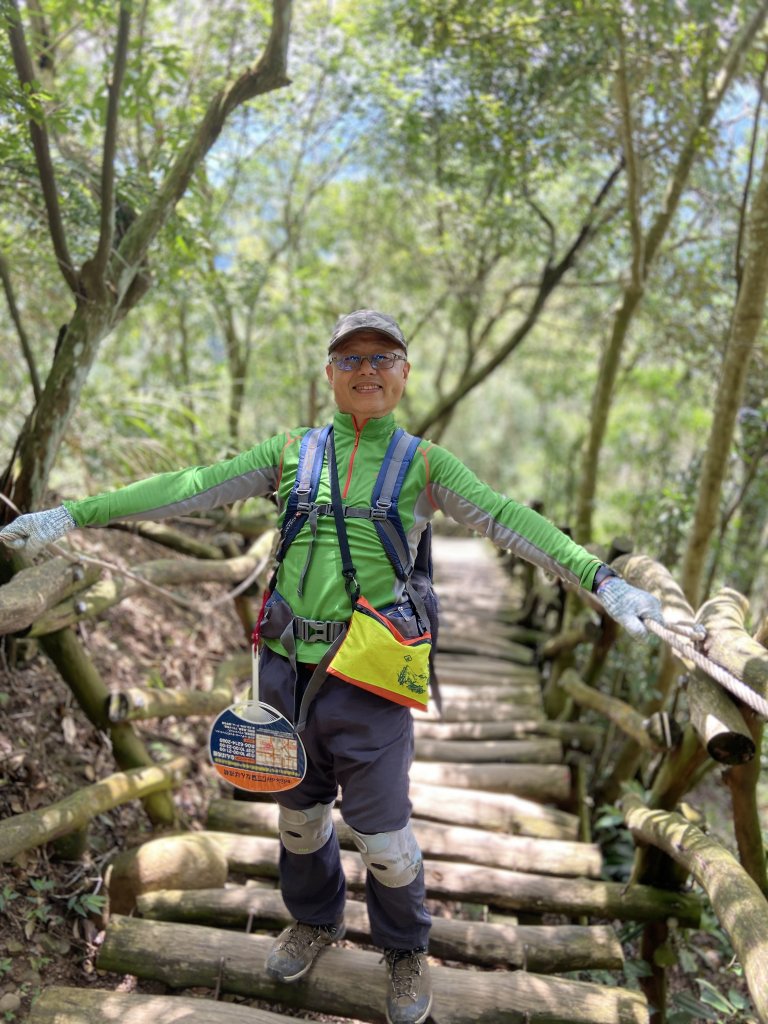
(366, 320)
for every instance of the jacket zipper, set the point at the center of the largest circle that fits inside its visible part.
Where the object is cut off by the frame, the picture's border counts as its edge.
(358, 431)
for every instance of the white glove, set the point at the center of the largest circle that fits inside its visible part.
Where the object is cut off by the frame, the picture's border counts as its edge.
(33, 531)
(629, 605)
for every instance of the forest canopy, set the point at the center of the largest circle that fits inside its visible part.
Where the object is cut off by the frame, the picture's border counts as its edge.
(564, 204)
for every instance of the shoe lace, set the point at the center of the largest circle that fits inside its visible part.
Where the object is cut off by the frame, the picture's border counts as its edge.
(300, 937)
(405, 966)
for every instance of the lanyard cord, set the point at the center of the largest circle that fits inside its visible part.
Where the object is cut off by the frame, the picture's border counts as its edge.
(347, 567)
(721, 675)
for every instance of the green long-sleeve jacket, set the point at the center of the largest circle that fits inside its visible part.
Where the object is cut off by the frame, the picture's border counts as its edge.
(436, 480)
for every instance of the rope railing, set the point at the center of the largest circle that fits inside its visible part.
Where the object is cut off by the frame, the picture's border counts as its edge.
(677, 637)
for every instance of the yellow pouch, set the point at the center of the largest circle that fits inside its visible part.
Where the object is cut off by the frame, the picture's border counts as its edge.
(376, 657)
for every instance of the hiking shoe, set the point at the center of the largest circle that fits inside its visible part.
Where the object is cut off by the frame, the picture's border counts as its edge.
(297, 946)
(409, 998)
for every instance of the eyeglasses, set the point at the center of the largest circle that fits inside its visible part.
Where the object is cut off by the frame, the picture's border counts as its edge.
(379, 361)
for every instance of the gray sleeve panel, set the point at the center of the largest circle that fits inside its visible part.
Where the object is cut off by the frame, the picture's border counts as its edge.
(476, 518)
(179, 493)
(249, 485)
(423, 513)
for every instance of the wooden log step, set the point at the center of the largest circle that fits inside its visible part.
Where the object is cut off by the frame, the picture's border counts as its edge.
(497, 812)
(438, 841)
(484, 691)
(538, 751)
(473, 665)
(453, 642)
(574, 734)
(462, 710)
(352, 982)
(493, 628)
(547, 783)
(545, 949)
(508, 890)
(35, 828)
(62, 1005)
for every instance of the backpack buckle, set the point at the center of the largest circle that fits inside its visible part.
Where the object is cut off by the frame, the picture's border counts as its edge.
(318, 630)
(381, 510)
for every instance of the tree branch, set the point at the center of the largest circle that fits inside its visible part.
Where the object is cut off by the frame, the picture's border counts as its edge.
(268, 74)
(693, 142)
(26, 348)
(26, 75)
(634, 184)
(750, 172)
(107, 228)
(550, 278)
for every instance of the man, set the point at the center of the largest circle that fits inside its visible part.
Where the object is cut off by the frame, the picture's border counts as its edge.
(354, 739)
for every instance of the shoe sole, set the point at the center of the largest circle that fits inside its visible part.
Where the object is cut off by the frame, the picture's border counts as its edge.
(292, 977)
(419, 1020)
(300, 974)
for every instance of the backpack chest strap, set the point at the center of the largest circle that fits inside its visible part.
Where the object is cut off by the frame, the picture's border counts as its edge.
(350, 512)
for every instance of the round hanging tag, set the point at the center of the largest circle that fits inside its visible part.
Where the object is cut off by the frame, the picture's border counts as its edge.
(255, 748)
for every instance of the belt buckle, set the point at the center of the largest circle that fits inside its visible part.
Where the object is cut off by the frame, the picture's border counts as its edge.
(319, 631)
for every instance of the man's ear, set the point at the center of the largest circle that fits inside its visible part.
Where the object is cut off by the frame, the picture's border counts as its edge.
(329, 372)
(406, 370)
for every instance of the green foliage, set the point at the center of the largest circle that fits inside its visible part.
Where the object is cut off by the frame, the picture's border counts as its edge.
(7, 896)
(86, 904)
(615, 841)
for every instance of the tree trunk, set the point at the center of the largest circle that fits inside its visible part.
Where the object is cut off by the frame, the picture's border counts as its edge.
(729, 644)
(543, 782)
(461, 709)
(111, 283)
(546, 949)
(141, 704)
(161, 572)
(740, 906)
(497, 812)
(572, 734)
(644, 252)
(80, 674)
(535, 751)
(745, 330)
(33, 828)
(437, 841)
(618, 711)
(742, 781)
(35, 589)
(60, 1005)
(352, 982)
(497, 887)
(26, 477)
(718, 721)
(642, 571)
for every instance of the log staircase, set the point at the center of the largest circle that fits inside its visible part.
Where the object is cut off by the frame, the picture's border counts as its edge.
(519, 903)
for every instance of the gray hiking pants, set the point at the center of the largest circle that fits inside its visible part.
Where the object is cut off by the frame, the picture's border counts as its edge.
(362, 743)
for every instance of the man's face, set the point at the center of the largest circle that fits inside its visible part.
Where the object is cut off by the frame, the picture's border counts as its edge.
(366, 393)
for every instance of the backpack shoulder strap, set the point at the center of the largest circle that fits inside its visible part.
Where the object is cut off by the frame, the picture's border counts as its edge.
(389, 526)
(305, 485)
(386, 493)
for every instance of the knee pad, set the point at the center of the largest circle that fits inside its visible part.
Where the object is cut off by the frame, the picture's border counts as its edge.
(305, 831)
(393, 858)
